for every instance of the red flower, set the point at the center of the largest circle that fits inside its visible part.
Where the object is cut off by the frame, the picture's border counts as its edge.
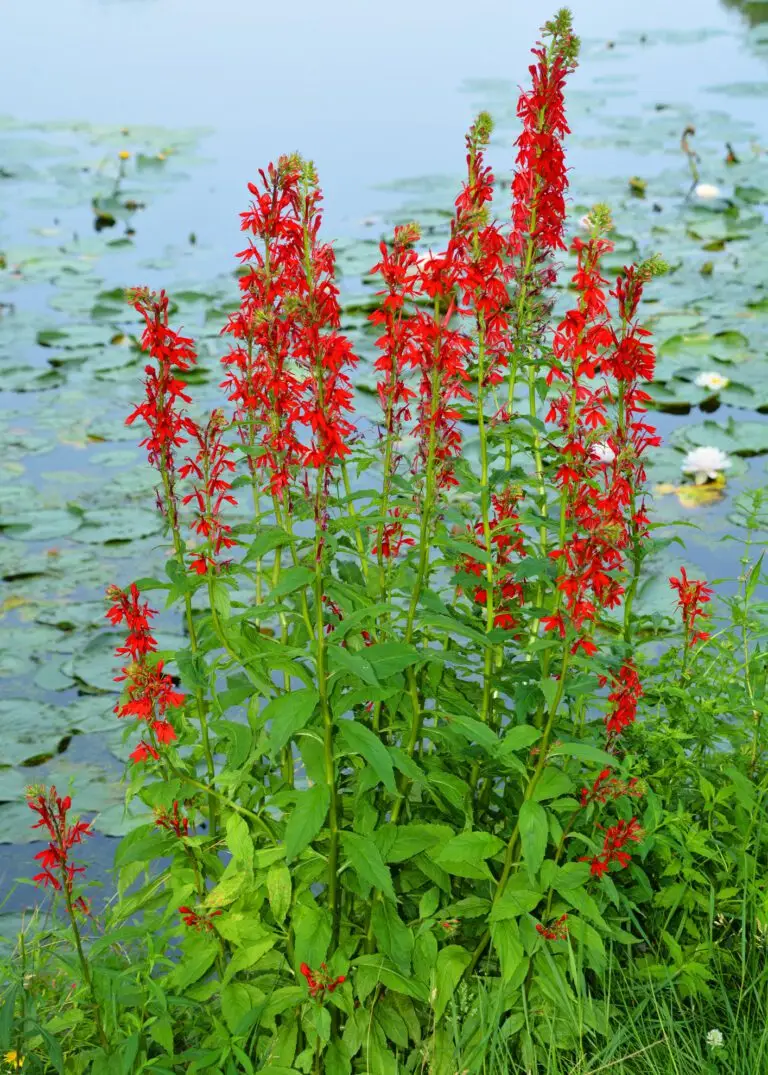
(142, 752)
(691, 595)
(209, 470)
(197, 921)
(624, 697)
(319, 981)
(616, 838)
(168, 426)
(609, 787)
(556, 931)
(173, 821)
(57, 871)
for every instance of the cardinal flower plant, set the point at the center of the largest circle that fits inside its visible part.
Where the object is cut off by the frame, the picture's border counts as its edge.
(396, 752)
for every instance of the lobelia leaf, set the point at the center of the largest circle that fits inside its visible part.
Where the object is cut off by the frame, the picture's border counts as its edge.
(288, 714)
(365, 858)
(394, 937)
(533, 835)
(363, 741)
(452, 961)
(463, 855)
(306, 819)
(279, 890)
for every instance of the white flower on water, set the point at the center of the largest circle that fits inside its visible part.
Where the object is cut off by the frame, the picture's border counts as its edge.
(602, 452)
(585, 222)
(715, 382)
(707, 191)
(705, 464)
(715, 1039)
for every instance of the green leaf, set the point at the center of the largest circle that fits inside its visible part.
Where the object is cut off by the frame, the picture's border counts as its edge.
(552, 783)
(584, 752)
(533, 835)
(513, 903)
(306, 820)
(292, 579)
(288, 714)
(393, 936)
(239, 841)
(361, 740)
(365, 858)
(452, 961)
(192, 966)
(279, 891)
(382, 972)
(270, 538)
(411, 840)
(474, 731)
(463, 855)
(390, 658)
(519, 737)
(357, 665)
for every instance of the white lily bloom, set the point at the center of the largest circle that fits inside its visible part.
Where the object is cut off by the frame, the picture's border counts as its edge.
(705, 464)
(707, 191)
(602, 452)
(715, 1039)
(715, 382)
(585, 222)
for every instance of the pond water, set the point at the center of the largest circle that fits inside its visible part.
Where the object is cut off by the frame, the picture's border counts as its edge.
(200, 97)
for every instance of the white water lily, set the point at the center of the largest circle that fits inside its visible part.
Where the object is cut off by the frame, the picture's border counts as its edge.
(602, 452)
(715, 382)
(585, 222)
(705, 464)
(707, 191)
(715, 1039)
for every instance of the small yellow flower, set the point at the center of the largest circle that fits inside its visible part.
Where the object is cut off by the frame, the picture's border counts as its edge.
(13, 1060)
(124, 155)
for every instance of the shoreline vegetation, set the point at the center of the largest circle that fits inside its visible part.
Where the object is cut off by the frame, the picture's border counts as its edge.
(426, 787)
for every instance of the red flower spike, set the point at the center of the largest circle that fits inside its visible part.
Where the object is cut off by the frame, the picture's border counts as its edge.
(320, 981)
(691, 595)
(616, 838)
(198, 922)
(57, 871)
(174, 821)
(556, 931)
(149, 693)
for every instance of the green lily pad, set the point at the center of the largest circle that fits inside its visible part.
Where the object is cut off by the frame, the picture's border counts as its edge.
(743, 438)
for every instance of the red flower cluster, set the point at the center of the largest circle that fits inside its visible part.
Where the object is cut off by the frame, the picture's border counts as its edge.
(506, 541)
(289, 368)
(626, 692)
(599, 477)
(485, 270)
(168, 426)
(208, 470)
(149, 692)
(691, 595)
(555, 931)
(320, 981)
(540, 180)
(52, 811)
(172, 820)
(398, 269)
(609, 787)
(197, 921)
(616, 838)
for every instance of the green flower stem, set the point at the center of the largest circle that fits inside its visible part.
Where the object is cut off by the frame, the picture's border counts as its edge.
(514, 840)
(193, 645)
(353, 513)
(422, 574)
(84, 966)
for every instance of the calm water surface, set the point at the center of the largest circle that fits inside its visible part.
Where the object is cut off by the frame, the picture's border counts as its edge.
(375, 95)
